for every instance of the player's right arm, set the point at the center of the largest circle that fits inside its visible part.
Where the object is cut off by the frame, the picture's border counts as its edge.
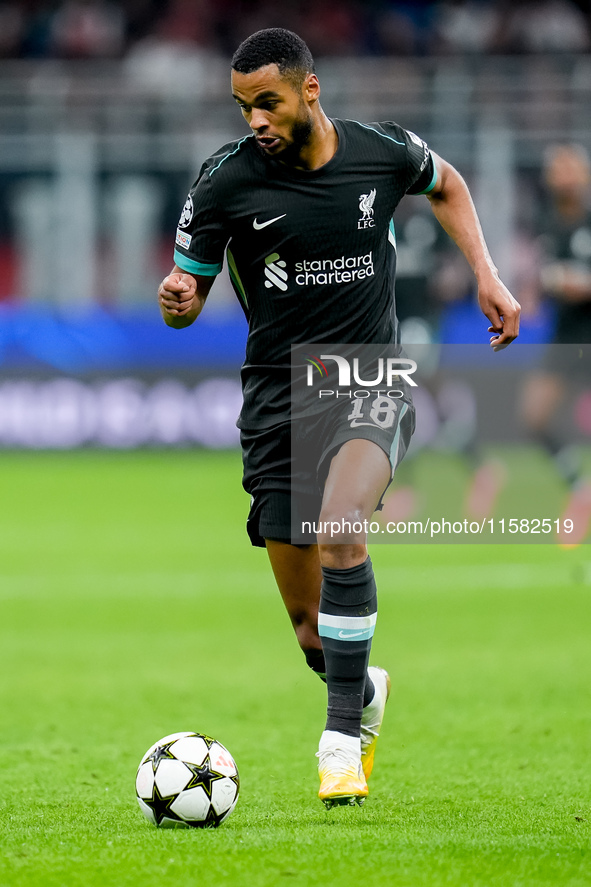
(201, 238)
(181, 297)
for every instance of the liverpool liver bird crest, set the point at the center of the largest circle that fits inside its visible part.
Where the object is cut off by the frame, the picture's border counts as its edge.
(366, 204)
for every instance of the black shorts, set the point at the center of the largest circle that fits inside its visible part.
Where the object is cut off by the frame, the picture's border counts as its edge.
(285, 467)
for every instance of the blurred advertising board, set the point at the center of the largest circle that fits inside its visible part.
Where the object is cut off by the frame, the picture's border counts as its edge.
(119, 380)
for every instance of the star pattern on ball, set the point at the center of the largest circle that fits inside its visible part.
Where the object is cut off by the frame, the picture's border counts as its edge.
(212, 819)
(161, 751)
(203, 776)
(160, 806)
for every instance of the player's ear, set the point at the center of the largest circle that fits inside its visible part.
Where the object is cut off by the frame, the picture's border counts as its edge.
(311, 88)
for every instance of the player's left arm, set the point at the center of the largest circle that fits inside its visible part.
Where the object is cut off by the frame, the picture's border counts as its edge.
(454, 209)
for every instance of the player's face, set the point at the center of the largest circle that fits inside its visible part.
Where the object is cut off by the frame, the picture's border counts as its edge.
(279, 116)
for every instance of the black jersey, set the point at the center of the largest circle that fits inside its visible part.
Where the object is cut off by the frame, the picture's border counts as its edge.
(311, 254)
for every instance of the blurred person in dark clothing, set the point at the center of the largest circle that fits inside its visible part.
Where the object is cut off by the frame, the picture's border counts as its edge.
(564, 237)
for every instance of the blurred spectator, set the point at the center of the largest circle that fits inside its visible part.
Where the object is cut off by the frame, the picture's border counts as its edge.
(99, 28)
(544, 26)
(565, 277)
(87, 29)
(11, 27)
(333, 28)
(35, 36)
(154, 64)
(564, 229)
(142, 17)
(466, 27)
(402, 28)
(187, 21)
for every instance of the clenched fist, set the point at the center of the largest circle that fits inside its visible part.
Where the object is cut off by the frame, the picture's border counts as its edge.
(177, 293)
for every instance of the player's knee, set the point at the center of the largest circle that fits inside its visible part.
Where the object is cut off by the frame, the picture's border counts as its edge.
(342, 557)
(342, 526)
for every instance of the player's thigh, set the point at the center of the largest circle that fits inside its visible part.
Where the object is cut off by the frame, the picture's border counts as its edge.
(362, 456)
(358, 475)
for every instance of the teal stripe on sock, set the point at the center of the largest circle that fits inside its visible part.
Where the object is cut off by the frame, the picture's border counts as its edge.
(346, 634)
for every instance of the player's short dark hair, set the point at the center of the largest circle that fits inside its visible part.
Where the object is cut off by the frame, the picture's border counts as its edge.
(275, 46)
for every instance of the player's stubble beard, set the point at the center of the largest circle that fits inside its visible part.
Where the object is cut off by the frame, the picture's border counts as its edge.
(300, 135)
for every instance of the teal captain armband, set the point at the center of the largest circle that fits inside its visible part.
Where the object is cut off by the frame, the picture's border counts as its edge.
(206, 269)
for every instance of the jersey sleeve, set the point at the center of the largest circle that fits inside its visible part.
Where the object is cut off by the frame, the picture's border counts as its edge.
(418, 163)
(201, 236)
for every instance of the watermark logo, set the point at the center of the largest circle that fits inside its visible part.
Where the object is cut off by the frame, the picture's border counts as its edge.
(275, 273)
(315, 363)
(379, 381)
(366, 202)
(388, 371)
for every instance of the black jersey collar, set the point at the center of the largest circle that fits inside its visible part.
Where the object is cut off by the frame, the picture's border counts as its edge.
(290, 172)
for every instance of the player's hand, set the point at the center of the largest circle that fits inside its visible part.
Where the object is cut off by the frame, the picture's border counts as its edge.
(503, 311)
(176, 294)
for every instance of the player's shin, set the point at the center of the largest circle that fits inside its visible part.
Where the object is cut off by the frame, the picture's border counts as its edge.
(346, 623)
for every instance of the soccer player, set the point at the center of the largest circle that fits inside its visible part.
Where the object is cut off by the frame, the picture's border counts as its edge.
(564, 229)
(302, 207)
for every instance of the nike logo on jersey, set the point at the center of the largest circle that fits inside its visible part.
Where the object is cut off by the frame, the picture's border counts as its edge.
(356, 423)
(347, 635)
(258, 226)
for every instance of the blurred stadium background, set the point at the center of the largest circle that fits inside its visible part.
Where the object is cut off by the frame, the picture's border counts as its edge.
(107, 110)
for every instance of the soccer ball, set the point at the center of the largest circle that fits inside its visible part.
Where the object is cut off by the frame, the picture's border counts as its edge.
(187, 780)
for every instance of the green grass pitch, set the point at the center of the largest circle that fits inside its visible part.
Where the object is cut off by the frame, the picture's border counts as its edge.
(131, 606)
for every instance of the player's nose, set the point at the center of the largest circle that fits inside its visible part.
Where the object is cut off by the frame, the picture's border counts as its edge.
(258, 121)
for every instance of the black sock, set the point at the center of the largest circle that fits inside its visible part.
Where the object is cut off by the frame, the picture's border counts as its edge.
(315, 661)
(346, 622)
